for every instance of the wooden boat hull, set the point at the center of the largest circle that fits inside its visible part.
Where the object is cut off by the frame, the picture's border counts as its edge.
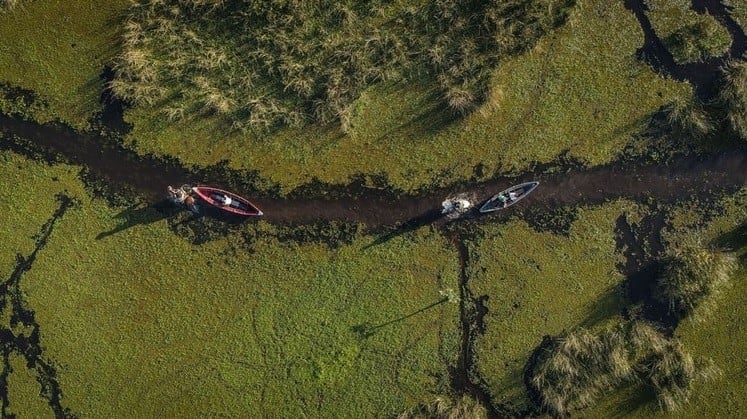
(239, 206)
(496, 203)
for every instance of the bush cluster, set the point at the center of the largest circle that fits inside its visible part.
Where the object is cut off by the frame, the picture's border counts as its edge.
(688, 116)
(580, 367)
(263, 63)
(726, 112)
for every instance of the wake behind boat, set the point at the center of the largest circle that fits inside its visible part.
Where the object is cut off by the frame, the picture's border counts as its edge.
(510, 196)
(226, 201)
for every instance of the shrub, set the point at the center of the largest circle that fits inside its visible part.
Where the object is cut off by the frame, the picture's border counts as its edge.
(444, 408)
(692, 275)
(733, 95)
(580, 367)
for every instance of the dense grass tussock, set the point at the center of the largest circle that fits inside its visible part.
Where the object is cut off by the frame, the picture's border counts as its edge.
(293, 62)
(581, 367)
(697, 42)
(733, 95)
(692, 276)
(689, 117)
(444, 408)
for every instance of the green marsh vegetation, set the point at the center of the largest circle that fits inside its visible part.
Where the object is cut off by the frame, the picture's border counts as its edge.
(738, 11)
(688, 117)
(589, 96)
(7, 4)
(723, 117)
(713, 336)
(539, 283)
(260, 64)
(60, 60)
(733, 95)
(263, 319)
(602, 368)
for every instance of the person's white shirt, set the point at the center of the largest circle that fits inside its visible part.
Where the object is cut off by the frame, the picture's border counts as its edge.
(512, 195)
(226, 200)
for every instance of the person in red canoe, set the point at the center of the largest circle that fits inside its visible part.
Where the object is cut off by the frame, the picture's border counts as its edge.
(224, 200)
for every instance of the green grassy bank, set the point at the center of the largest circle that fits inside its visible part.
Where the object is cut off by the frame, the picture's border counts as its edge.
(143, 321)
(540, 283)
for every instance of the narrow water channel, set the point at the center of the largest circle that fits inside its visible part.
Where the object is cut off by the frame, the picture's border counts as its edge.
(679, 179)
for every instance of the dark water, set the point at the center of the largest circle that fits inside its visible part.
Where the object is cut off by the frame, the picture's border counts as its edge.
(681, 178)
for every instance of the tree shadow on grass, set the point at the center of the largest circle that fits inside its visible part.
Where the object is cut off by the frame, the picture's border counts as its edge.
(210, 224)
(137, 214)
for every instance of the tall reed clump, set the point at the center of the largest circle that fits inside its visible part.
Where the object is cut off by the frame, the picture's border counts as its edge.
(689, 117)
(445, 408)
(733, 95)
(692, 276)
(580, 367)
(270, 62)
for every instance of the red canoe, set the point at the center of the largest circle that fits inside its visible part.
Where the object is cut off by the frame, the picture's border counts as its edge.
(236, 204)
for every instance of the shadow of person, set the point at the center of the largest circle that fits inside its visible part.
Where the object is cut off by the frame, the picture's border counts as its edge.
(366, 330)
(412, 224)
(140, 215)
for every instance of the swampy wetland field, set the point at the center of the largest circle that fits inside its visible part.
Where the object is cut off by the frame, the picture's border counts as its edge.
(616, 289)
